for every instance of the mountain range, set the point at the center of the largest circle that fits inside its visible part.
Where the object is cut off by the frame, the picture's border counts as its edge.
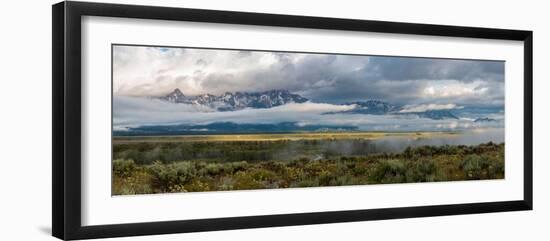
(230, 101)
(239, 100)
(377, 107)
(236, 101)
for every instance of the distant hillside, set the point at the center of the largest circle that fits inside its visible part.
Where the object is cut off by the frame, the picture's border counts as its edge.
(227, 128)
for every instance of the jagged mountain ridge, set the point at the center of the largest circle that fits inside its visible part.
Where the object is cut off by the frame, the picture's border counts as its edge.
(372, 107)
(377, 107)
(435, 114)
(239, 100)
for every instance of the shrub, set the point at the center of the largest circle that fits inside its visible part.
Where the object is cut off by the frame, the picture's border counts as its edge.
(168, 175)
(474, 166)
(213, 168)
(313, 168)
(177, 188)
(262, 174)
(497, 169)
(137, 183)
(238, 166)
(361, 169)
(327, 178)
(197, 186)
(245, 181)
(276, 166)
(389, 171)
(423, 171)
(226, 183)
(123, 168)
(294, 174)
(313, 182)
(219, 166)
(344, 180)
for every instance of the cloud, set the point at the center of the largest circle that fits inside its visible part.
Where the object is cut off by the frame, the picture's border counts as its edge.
(427, 107)
(135, 111)
(403, 68)
(327, 78)
(448, 89)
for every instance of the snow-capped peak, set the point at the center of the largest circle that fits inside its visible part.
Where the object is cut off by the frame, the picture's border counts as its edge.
(238, 100)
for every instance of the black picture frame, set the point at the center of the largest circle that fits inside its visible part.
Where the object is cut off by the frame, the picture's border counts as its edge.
(66, 152)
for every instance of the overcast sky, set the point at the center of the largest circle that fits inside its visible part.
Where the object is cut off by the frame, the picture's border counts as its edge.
(323, 78)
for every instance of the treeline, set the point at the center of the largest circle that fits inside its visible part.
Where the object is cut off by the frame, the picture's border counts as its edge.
(420, 164)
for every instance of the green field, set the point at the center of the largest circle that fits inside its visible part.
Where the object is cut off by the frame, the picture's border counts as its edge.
(198, 163)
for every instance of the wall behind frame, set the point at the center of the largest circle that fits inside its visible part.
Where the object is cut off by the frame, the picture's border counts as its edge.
(25, 102)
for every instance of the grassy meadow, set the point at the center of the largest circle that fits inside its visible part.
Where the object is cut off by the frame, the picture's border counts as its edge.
(197, 163)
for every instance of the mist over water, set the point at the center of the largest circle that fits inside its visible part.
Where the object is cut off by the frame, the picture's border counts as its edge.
(390, 144)
(286, 150)
(398, 144)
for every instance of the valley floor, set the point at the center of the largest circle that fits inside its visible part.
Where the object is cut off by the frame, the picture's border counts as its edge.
(152, 165)
(280, 136)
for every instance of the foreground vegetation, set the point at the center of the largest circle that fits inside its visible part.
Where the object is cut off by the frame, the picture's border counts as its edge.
(153, 167)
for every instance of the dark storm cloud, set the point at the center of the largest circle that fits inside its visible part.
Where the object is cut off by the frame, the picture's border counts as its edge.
(326, 78)
(402, 80)
(403, 68)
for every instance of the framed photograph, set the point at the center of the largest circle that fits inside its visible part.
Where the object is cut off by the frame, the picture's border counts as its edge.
(170, 120)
